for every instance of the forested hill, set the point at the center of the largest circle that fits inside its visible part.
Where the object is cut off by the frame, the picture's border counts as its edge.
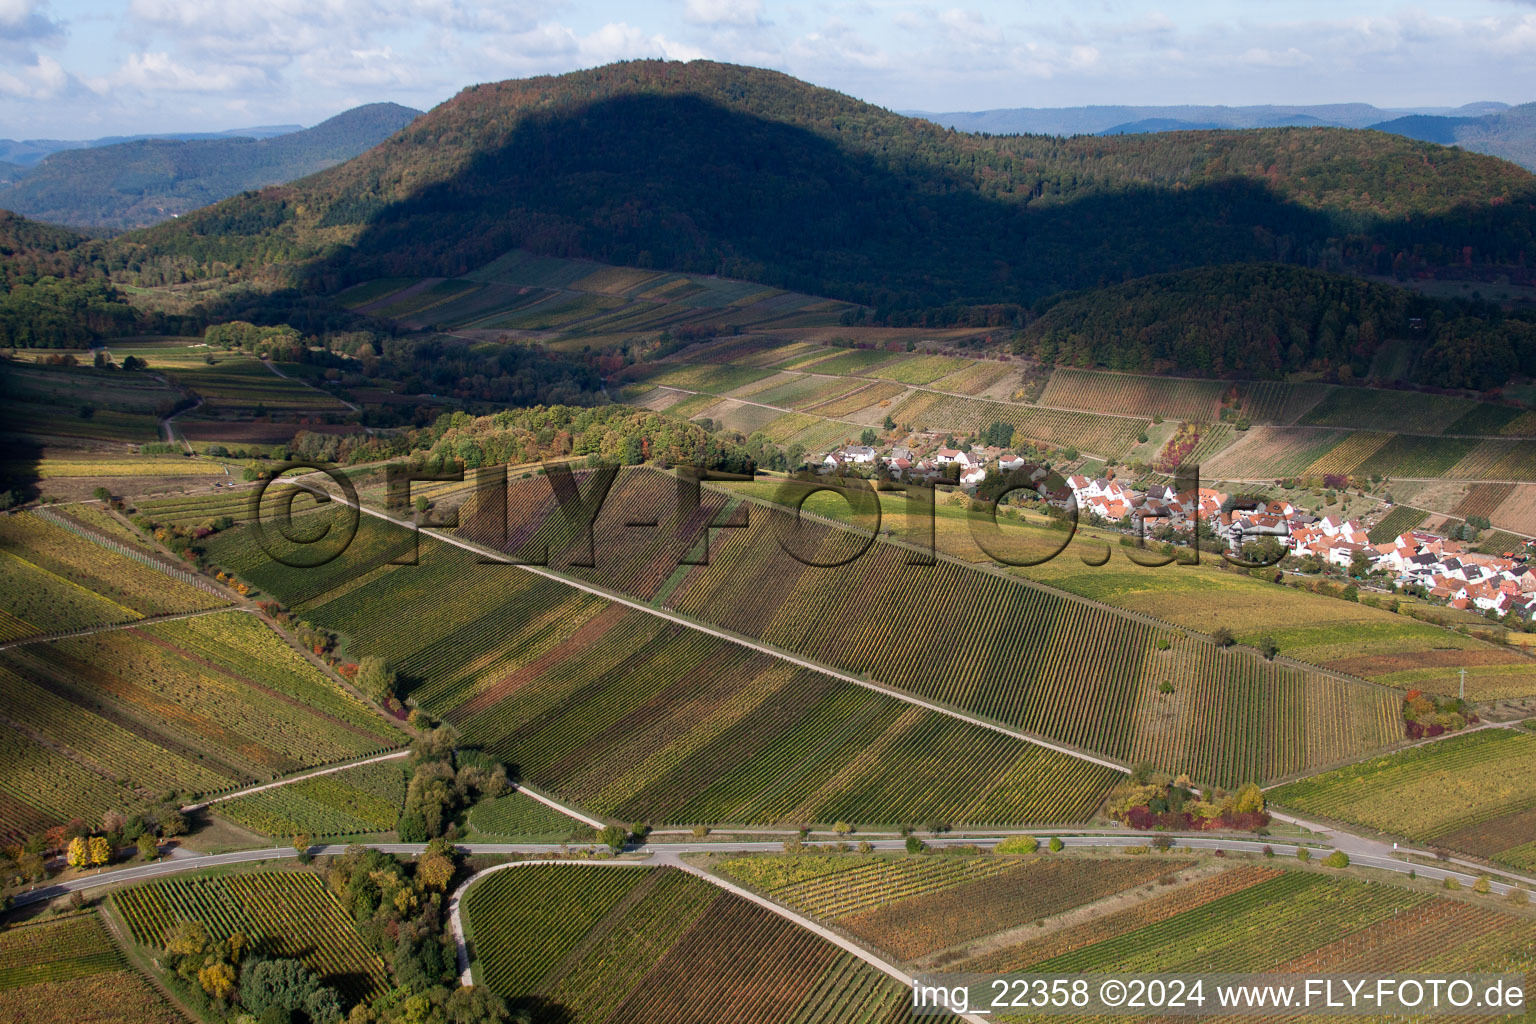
(1267, 321)
(142, 182)
(717, 168)
(54, 289)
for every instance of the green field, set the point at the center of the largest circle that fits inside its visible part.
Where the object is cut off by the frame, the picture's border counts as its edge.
(355, 801)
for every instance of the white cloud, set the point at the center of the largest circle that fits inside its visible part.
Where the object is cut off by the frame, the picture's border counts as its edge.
(157, 72)
(723, 12)
(552, 46)
(25, 20)
(45, 79)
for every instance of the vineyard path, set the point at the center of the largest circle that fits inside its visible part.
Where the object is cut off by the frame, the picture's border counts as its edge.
(672, 859)
(132, 624)
(741, 641)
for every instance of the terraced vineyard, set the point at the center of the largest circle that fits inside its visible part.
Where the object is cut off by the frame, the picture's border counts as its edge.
(283, 913)
(1414, 456)
(1272, 452)
(1497, 460)
(806, 392)
(1382, 409)
(95, 467)
(526, 292)
(976, 378)
(1236, 717)
(914, 906)
(639, 719)
(1395, 523)
(1261, 920)
(629, 715)
(1483, 500)
(594, 943)
(67, 970)
(241, 384)
(52, 580)
(1110, 436)
(1467, 793)
(356, 801)
(920, 370)
(1346, 456)
(1125, 393)
(521, 816)
(706, 377)
(1232, 718)
(203, 509)
(877, 393)
(195, 706)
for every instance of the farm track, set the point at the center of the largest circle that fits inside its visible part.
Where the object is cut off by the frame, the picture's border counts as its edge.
(135, 624)
(299, 380)
(675, 860)
(236, 794)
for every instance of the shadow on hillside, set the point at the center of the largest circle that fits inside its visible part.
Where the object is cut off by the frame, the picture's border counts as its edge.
(677, 182)
(21, 462)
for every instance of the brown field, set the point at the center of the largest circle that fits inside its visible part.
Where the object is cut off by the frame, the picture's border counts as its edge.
(1517, 513)
(1483, 499)
(1032, 890)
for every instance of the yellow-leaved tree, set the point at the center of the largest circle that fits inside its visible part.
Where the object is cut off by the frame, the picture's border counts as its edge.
(78, 854)
(217, 979)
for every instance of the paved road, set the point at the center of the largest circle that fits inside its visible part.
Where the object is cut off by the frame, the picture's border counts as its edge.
(1370, 855)
(740, 641)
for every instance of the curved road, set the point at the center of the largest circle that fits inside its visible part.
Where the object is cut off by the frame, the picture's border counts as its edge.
(1361, 852)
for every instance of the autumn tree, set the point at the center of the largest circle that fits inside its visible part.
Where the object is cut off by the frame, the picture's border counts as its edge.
(218, 980)
(376, 679)
(78, 854)
(435, 868)
(100, 850)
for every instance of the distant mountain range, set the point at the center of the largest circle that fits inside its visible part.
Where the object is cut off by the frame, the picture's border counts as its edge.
(1119, 120)
(30, 152)
(142, 181)
(1497, 129)
(1510, 134)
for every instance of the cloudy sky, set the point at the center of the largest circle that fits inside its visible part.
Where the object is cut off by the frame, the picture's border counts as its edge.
(85, 68)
